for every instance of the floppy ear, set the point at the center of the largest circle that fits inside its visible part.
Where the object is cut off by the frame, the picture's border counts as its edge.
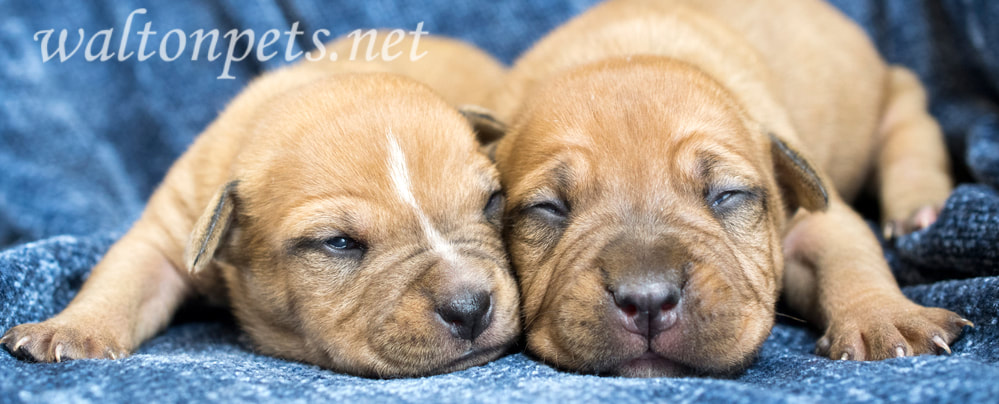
(488, 129)
(800, 185)
(210, 229)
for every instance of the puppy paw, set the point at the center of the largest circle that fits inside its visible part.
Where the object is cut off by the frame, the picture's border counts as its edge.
(883, 331)
(57, 340)
(919, 220)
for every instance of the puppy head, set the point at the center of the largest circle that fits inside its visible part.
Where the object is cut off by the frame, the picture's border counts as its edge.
(362, 232)
(645, 217)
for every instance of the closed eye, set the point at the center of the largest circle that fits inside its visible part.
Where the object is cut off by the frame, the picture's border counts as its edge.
(726, 197)
(550, 210)
(727, 200)
(494, 206)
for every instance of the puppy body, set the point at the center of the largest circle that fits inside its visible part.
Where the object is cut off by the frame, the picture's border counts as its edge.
(657, 153)
(347, 218)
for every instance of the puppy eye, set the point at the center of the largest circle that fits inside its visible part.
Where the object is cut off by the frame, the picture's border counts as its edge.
(494, 206)
(724, 197)
(729, 199)
(551, 210)
(343, 244)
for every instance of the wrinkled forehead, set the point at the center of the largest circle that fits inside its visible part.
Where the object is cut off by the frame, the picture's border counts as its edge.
(379, 147)
(643, 130)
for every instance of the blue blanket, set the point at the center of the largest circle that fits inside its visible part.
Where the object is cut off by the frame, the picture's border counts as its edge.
(83, 143)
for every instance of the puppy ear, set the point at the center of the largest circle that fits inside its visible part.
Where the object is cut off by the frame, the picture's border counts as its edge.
(800, 185)
(210, 229)
(488, 129)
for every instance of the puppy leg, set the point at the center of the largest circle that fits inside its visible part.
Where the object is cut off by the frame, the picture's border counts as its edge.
(836, 276)
(130, 295)
(913, 171)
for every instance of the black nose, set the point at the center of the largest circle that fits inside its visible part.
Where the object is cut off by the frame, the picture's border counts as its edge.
(467, 314)
(647, 305)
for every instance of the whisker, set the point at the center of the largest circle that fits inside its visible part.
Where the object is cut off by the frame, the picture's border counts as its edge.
(779, 314)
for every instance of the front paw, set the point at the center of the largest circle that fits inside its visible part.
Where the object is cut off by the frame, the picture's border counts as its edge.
(57, 340)
(890, 329)
(916, 221)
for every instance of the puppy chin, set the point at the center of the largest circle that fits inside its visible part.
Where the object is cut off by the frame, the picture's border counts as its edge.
(447, 364)
(445, 353)
(651, 364)
(483, 350)
(471, 358)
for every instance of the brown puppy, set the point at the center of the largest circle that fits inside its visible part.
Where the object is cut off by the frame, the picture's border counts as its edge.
(349, 220)
(672, 164)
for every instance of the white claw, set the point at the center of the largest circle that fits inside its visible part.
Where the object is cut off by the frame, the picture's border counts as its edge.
(21, 342)
(925, 217)
(899, 352)
(940, 343)
(58, 353)
(844, 357)
(888, 231)
(113, 356)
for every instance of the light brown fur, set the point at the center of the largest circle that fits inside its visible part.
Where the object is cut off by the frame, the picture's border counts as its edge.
(302, 156)
(683, 145)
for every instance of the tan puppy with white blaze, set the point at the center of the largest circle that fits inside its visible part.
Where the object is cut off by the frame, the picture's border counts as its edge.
(673, 165)
(349, 220)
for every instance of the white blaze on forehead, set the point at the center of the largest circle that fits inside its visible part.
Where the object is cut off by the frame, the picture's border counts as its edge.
(399, 174)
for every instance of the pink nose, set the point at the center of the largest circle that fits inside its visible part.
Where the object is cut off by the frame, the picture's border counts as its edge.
(647, 307)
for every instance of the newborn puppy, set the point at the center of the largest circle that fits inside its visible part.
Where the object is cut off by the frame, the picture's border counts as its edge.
(671, 165)
(349, 220)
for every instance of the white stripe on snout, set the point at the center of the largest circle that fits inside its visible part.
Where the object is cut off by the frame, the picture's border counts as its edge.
(399, 174)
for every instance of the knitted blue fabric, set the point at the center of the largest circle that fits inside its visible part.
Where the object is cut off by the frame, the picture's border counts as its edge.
(83, 144)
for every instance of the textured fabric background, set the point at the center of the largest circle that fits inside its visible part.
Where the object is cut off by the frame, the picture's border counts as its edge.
(82, 145)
